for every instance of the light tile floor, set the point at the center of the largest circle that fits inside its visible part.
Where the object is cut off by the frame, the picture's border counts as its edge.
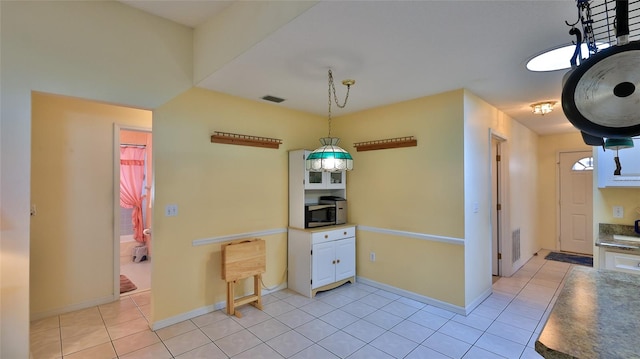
(353, 321)
(138, 272)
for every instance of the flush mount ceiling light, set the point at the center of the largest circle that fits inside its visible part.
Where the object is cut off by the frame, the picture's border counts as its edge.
(330, 157)
(542, 108)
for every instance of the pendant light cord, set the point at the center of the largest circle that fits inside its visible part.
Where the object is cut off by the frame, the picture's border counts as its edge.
(335, 97)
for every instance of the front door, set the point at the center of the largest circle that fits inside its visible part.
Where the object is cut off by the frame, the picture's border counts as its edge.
(576, 202)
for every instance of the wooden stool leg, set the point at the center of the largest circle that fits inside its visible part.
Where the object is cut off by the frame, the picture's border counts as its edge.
(230, 298)
(256, 290)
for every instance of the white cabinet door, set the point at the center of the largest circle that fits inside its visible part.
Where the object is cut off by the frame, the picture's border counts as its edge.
(621, 262)
(323, 259)
(336, 180)
(315, 180)
(333, 261)
(324, 180)
(345, 258)
(629, 161)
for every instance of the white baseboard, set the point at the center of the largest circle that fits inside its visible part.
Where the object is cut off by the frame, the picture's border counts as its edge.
(74, 307)
(427, 300)
(204, 310)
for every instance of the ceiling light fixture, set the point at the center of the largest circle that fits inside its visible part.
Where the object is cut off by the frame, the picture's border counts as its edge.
(542, 108)
(330, 157)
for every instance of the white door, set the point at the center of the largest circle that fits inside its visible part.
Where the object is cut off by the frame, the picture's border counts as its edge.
(576, 202)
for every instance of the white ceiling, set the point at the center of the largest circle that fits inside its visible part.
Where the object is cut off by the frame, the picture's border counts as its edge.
(396, 51)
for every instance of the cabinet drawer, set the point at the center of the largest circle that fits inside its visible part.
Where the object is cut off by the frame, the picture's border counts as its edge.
(622, 262)
(332, 235)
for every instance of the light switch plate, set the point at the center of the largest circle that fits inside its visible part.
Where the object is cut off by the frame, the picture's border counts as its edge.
(618, 212)
(171, 210)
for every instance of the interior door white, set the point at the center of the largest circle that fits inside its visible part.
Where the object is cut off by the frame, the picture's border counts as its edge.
(576, 204)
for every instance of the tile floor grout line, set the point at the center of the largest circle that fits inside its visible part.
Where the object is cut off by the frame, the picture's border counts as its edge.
(506, 302)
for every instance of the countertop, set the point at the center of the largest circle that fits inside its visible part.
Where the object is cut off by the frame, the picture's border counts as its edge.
(596, 316)
(325, 228)
(605, 237)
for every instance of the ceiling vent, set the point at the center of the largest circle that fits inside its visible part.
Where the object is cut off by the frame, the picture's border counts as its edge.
(272, 98)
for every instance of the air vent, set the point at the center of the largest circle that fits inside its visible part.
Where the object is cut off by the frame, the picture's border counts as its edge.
(515, 245)
(272, 98)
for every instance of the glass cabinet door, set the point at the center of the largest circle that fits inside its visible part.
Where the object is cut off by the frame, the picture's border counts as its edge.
(335, 177)
(315, 177)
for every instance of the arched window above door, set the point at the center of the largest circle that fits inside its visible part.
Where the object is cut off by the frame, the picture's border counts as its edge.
(583, 164)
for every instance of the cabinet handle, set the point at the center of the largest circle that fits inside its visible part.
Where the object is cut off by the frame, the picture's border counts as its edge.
(345, 233)
(326, 236)
(334, 262)
(339, 261)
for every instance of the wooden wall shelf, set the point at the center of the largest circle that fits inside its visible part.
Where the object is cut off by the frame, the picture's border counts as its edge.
(397, 142)
(245, 140)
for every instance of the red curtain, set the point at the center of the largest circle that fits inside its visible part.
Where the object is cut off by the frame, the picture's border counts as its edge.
(131, 181)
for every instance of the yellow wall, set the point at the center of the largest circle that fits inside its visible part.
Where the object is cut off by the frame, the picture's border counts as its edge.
(101, 50)
(480, 117)
(72, 235)
(220, 190)
(415, 189)
(548, 149)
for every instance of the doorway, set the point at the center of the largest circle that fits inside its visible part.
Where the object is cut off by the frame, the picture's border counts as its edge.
(576, 202)
(133, 203)
(496, 206)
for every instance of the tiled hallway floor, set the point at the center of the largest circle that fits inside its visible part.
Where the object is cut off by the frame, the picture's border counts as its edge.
(353, 321)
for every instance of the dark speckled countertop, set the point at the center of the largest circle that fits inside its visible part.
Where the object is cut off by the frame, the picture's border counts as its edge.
(605, 237)
(596, 316)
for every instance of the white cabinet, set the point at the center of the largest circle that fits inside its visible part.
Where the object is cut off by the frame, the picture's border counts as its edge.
(629, 161)
(622, 262)
(324, 180)
(307, 187)
(321, 259)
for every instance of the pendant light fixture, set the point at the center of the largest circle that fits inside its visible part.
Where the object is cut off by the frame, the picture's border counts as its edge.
(330, 157)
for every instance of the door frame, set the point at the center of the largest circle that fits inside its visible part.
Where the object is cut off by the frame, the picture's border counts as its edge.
(116, 201)
(500, 190)
(558, 209)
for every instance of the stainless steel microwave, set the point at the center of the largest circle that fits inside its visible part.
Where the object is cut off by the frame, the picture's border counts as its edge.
(330, 211)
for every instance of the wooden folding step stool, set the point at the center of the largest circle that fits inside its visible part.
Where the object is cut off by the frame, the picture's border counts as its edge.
(243, 259)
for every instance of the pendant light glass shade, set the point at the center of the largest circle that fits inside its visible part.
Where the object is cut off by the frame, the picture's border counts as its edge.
(329, 158)
(618, 143)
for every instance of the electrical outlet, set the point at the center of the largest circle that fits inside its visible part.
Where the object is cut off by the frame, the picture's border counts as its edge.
(618, 212)
(372, 256)
(171, 210)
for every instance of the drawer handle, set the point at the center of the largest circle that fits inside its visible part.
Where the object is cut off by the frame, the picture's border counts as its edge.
(345, 233)
(326, 236)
